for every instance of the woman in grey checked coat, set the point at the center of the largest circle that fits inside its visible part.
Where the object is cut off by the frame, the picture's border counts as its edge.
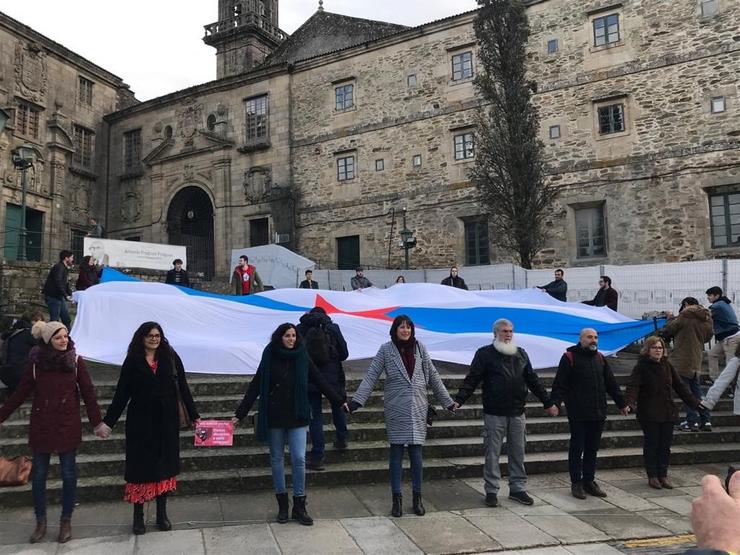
(408, 372)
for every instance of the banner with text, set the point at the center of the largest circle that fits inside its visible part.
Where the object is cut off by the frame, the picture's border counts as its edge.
(133, 254)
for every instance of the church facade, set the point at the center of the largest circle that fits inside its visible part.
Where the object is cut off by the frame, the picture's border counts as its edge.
(331, 140)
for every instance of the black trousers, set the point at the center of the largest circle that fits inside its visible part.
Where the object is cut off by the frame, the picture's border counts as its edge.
(656, 447)
(585, 438)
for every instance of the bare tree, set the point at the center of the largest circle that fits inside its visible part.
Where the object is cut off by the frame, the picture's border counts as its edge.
(509, 168)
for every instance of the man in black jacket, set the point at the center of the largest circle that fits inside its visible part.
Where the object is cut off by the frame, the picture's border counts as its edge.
(606, 295)
(18, 343)
(56, 289)
(177, 276)
(454, 280)
(582, 381)
(558, 288)
(507, 376)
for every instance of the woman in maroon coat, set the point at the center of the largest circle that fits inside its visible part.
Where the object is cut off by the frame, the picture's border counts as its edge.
(57, 377)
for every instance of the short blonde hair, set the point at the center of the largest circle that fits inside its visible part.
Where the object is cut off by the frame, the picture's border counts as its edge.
(649, 342)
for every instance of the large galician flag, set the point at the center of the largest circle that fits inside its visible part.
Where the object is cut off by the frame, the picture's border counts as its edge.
(221, 334)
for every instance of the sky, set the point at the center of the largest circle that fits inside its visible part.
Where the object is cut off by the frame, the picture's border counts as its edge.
(156, 45)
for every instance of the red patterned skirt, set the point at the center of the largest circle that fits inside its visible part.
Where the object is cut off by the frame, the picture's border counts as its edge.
(141, 493)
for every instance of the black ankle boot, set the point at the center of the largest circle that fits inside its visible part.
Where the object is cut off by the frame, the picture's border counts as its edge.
(282, 499)
(419, 509)
(139, 527)
(397, 509)
(299, 511)
(163, 523)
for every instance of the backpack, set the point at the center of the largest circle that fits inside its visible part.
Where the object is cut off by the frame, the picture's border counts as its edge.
(569, 356)
(5, 346)
(320, 345)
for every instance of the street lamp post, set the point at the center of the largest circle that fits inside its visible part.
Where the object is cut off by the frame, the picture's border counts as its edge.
(23, 158)
(408, 241)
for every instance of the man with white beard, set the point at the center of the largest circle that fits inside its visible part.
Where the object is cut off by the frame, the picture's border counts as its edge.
(582, 381)
(507, 376)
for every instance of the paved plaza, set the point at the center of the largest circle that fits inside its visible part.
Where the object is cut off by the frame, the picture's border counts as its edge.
(355, 520)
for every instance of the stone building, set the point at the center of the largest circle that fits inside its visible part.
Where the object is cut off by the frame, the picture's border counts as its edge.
(320, 140)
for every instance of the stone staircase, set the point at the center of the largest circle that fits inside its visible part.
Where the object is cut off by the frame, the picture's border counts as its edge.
(454, 447)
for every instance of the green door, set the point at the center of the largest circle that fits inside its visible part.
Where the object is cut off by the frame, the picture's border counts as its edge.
(12, 230)
(34, 227)
(348, 252)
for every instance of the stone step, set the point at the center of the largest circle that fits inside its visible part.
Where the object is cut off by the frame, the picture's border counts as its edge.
(110, 487)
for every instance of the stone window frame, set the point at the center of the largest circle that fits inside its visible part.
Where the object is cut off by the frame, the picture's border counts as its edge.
(84, 91)
(84, 142)
(465, 68)
(346, 164)
(708, 12)
(256, 119)
(598, 104)
(463, 145)
(602, 14)
(416, 161)
(28, 120)
(131, 146)
(716, 102)
(411, 81)
(593, 208)
(552, 46)
(476, 240)
(380, 165)
(724, 217)
(607, 23)
(343, 85)
(555, 132)
(454, 53)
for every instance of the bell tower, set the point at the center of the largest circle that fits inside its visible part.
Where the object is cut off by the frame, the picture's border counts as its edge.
(245, 33)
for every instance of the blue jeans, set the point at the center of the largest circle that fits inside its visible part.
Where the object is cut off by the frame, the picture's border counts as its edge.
(40, 470)
(58, 311)
(297, 446)
(692, 416)
(395, 465)
(316, 426)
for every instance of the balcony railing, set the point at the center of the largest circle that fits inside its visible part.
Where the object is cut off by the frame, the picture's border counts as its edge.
(241, 21)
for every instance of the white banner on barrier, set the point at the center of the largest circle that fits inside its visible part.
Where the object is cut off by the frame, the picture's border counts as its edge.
(133, 254)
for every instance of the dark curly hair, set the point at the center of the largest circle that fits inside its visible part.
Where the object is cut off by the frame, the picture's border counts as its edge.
(276, 341)
(136, 347)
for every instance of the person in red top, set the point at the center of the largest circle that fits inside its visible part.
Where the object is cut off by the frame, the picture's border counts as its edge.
(54, 374)
(246, 278)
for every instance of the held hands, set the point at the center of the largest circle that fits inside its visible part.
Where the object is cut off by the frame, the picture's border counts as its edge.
(453, 407)
(235, 421)
(625, 410)
(715, 516)
(553, 410)
(351, 407)
(102, 430)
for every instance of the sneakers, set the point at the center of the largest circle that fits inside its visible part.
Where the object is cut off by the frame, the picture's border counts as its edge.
(592, 488)
(492, 500)
(576, 490)
(686, 427)
(706, 427)
(521, 497)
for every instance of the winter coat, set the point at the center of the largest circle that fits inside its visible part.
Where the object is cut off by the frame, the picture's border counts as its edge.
(172, 276)
(557, 289)
(360, 283)
(57, 282)
(723, 381)
(506, 382)
(20, 342)
(256, 285)
(583, 385)
(650, 389)
(281, 407)
(332, 370)
(405, 398)
(152, 420)
(56, 426)
(87, 277)
(724, 319)
(306, 285)
(455, 281)
(605, 297)
(689, 331)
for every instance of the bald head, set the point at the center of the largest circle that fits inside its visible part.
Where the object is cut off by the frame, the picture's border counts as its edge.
(589, 339)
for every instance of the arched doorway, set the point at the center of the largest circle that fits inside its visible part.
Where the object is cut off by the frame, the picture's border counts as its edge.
(190, 223)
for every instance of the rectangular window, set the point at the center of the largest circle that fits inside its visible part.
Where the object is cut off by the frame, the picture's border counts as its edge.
(709, 7)
(85, 92)
(411, 81)
(606, 30)
(554, 131)
(416, 161)
(131, 150)
(345, 97)
(718, 104)
(257, 119)
(78, 238)
(476, 243)
(552, 46)
(462, 66)
(345, 168)
(27, 120)
(611, 119)
(379, 165)
(590, 232)
(724, 211)
(464, 146)
(84, 143)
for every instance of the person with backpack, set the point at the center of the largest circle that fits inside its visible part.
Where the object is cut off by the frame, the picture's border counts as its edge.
(327, 349)
(57, 377)
(583, 379)
(16, 346)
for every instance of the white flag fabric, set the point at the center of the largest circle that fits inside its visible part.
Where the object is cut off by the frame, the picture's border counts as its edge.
(222, 334)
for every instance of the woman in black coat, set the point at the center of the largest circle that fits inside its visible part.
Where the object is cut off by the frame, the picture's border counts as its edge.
(152, 377)
(89, 274)
(281, 383)
(650, 390)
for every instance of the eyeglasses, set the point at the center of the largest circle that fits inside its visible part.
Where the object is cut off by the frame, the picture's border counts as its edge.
(657, 347)
(153, 337)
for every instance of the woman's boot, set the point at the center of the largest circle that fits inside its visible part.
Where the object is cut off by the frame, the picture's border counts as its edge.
(65, 530)
(419, 509)
(299, 511)
(139, 528)
(397, 509)
(163, 523)
(40, 531)
(282, 499)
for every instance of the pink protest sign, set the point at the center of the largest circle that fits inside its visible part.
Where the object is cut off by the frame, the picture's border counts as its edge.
(214, 433)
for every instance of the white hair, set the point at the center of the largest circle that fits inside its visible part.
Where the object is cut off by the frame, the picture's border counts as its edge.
(498, 324)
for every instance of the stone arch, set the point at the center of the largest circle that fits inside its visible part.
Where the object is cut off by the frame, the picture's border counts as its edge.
(190, 221)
